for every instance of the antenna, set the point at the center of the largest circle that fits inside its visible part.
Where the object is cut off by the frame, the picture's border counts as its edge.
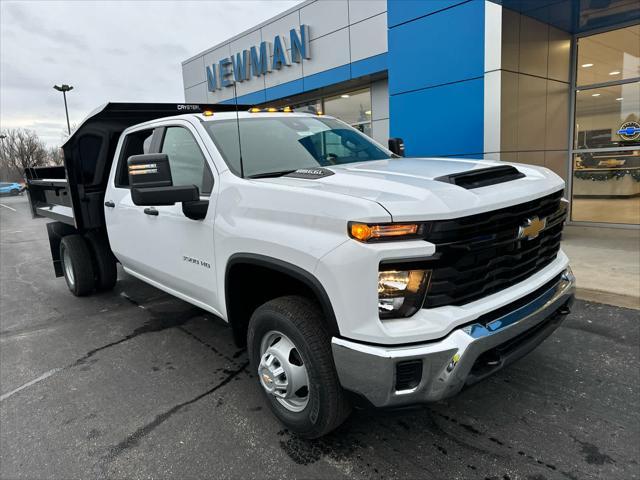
(235, 95)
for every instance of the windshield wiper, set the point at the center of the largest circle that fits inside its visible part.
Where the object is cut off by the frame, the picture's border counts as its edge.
(272, 174)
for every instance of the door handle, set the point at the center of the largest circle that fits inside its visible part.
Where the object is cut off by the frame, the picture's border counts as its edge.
(151, 211)
(109, 204)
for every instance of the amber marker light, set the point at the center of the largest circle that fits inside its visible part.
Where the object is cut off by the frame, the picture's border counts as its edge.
(365, 233)
(287, 110)
(207, 113)
(272, 109)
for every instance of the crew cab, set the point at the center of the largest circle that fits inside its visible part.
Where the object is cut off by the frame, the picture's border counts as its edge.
(352, 274)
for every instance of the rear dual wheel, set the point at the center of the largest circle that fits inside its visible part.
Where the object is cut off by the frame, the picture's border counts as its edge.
(87, 263)
(77, 265)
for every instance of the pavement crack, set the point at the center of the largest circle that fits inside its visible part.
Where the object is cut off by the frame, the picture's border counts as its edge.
(211, 347)
(155, 324)
(134, 439)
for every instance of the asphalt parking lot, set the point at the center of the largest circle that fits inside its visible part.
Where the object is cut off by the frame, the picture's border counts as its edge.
(136, 384)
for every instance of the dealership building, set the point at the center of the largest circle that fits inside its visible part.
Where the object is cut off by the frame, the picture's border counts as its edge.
(547, 82)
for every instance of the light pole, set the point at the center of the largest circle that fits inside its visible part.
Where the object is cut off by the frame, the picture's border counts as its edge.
(64, 89)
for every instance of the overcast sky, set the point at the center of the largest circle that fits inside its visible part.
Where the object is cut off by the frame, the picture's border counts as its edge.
(109, 51)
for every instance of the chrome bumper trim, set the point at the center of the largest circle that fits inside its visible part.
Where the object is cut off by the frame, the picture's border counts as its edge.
(448, 364)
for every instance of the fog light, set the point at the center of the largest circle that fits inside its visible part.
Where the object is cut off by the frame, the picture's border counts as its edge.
(401, 292)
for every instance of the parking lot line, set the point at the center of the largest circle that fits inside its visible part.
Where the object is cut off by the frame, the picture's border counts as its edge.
(5, 206)
(28, 384)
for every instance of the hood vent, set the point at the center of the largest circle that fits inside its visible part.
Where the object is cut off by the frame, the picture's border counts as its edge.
(482, 177)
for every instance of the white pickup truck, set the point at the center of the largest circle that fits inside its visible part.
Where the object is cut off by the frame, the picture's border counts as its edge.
(351, 274)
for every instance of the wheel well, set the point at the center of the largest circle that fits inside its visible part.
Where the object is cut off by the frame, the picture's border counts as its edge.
(253, 280)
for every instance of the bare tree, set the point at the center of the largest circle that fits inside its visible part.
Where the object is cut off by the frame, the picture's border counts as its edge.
(55, 156)
(64, 134)
(20, 149)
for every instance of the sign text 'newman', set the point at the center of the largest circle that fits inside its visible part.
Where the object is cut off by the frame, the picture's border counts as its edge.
(259, 60)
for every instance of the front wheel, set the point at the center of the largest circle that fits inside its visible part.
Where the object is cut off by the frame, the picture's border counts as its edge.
(290, 350)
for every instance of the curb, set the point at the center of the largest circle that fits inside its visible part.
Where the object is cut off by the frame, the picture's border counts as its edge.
(608, 298)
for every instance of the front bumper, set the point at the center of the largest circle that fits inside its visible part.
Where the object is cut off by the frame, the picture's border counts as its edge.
(463, 357)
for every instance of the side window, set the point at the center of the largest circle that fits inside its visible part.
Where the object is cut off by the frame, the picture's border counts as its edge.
(135, 143)
(188, 165)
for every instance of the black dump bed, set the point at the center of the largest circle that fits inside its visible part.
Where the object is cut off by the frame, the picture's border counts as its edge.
(74, 193)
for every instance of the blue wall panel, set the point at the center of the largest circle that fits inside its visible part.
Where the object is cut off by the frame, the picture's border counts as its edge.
(400, 11)
(436, 76)
(328, 77)
(284, 90)
(248, 99)
(445, 47)
(367, 66)
(445, 120)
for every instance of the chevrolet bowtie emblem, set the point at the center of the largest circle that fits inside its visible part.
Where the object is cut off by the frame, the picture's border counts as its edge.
(532, 228)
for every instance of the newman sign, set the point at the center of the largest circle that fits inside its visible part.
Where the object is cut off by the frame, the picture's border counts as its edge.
(259, 60)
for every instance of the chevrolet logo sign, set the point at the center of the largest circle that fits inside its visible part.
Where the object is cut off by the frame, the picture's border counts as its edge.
(532, 228)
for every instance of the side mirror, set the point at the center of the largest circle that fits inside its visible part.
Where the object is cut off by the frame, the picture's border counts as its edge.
(149, 170)
(151, 183)
(396, 145)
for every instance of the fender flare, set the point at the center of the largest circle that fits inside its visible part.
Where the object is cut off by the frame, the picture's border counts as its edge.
(303, 276)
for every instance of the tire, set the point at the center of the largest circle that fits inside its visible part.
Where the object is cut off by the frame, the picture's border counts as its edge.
(299, 321)
(77, 265)
(14, 192)
(104, 263)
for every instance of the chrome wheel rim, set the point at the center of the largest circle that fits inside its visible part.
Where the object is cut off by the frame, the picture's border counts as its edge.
(68, 271)
(282, 371)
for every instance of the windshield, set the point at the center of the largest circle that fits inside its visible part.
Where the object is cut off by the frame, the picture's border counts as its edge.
(278, 145)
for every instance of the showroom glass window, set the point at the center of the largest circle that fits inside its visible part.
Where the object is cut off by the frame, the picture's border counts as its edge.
(353, 108)
(606, 144)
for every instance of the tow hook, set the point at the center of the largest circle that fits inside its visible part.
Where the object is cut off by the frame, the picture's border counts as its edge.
(564, 310)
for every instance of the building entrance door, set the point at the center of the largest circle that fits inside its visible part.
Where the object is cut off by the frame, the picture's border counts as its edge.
(606, 144)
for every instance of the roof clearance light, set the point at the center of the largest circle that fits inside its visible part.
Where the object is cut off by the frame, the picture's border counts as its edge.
(254, 110)
(207, 113)
(287, 110)
(319, 112)
(272, 109)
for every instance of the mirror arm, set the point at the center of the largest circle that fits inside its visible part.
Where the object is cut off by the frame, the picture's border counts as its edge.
(195, 210)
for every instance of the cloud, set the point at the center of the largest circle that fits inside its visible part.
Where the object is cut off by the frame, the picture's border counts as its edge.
(109, 51)
(27, 19)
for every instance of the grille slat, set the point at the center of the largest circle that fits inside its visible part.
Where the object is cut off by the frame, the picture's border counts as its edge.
(479, 255)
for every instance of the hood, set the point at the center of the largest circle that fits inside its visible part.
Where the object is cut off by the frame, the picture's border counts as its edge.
(407, 187)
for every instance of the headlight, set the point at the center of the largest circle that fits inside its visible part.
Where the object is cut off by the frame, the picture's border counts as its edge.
(401, 292)
(364, 232)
